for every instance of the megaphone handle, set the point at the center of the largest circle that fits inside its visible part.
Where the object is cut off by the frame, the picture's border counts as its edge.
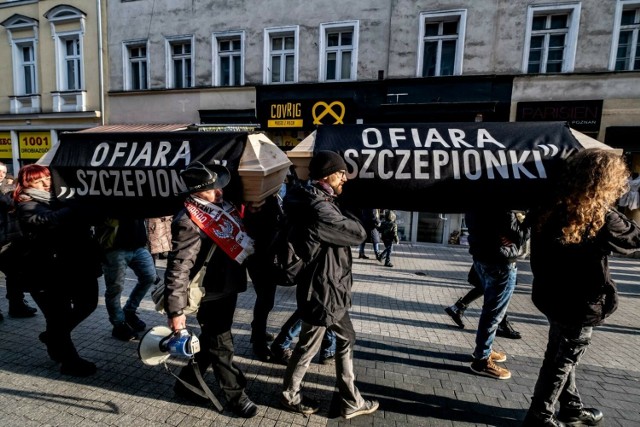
(205, 391)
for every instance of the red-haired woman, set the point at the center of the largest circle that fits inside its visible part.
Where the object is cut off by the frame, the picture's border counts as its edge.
(61, 275)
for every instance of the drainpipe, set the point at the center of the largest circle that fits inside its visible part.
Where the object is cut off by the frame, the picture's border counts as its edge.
(100, 60)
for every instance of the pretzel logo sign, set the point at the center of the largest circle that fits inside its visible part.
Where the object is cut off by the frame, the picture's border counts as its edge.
(328, 109)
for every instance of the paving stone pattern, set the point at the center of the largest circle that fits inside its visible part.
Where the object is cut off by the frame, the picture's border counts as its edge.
(408, 355)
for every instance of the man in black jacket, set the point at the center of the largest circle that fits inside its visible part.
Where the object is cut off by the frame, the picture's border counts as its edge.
(208, 219)
(325, 235)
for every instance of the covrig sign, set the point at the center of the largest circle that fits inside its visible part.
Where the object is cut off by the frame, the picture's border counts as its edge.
(441, 167)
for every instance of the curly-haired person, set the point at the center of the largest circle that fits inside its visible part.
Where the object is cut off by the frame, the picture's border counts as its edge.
(571, 239)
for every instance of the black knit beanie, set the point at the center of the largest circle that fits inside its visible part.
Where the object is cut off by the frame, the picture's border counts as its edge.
(324, 163)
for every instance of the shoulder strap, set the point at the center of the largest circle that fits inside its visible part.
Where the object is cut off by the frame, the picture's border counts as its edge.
(211, 251)
(204, 391)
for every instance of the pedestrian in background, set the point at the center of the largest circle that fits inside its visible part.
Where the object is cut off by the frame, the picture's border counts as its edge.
(495, 241)
(208, 219)
(9, 236)
(371, 221)
(159, 236)
(60, 265)
(389, 235)
(124, 242)
(456, 311)
(324, 235)
(572, 237)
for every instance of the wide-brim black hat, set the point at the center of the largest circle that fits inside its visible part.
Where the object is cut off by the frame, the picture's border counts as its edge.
(199, 177)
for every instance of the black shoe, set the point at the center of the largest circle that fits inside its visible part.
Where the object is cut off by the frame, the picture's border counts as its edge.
(78, 367)
(262, 352)
(268, 337)
(455, 315)
(245, 408)
(379, 257)
(281, 356)
(20, 309)
(132, 319)
(580, 417)
(388, 264)
(363, 256)
(505, 330)
(123, 332)
(305, 407)
(533, 421)
(328, 360)
(53, 355)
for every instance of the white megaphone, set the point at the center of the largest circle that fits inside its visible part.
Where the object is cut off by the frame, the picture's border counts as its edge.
(159, 343)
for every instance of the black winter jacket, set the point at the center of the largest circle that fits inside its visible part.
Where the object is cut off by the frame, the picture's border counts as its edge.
(190, 247)
(495, 236)
(571, 283)
(57, 241)
(324, 236)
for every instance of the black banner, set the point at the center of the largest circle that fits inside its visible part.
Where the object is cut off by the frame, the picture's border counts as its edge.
(448, 167)
(137, 174)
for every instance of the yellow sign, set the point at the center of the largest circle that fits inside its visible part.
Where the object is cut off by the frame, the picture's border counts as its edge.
(5, 145)
(285, 123)
(328, 109)
(34, 145)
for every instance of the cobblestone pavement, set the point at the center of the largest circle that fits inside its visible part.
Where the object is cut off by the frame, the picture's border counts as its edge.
(408, 356)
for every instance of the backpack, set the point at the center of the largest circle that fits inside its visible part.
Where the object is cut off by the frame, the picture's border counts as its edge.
(287, 265)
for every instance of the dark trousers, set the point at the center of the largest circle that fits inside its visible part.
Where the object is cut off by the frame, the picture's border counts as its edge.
(8, 263)
(216, 346)
(66, 303)
(557, 378)
(265, 297)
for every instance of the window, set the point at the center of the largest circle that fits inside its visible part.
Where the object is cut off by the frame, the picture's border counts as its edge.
(27, 69)
(338, 51)
(281, 49)
(68, 24)
(180, 66)
(625, 37)
(228, 57)
(441, 50)
(72, 64)
(136, 76)
(552, 33)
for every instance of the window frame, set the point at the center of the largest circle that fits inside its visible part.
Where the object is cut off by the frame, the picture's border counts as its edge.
(571, 40)
(64, 15)
(269, 34)
(170, 42)
(621, 6)
(19, 74)
(333, 27)
(216, 56)
(440, 16)
(127, 61)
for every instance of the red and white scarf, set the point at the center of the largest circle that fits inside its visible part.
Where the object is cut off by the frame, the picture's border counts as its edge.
(223, 224)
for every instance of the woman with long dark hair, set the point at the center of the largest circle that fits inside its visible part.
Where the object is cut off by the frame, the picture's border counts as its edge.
(61, 265)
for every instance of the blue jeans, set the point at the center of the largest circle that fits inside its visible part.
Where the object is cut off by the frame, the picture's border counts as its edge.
(291, 329)
(388, 250)
(557, 378)
(499, 281)
(114, 267)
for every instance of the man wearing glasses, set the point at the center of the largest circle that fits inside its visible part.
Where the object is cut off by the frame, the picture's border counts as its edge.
(324, 234)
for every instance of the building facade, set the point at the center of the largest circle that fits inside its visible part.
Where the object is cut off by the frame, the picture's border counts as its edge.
(53, 74)
(287, 67)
